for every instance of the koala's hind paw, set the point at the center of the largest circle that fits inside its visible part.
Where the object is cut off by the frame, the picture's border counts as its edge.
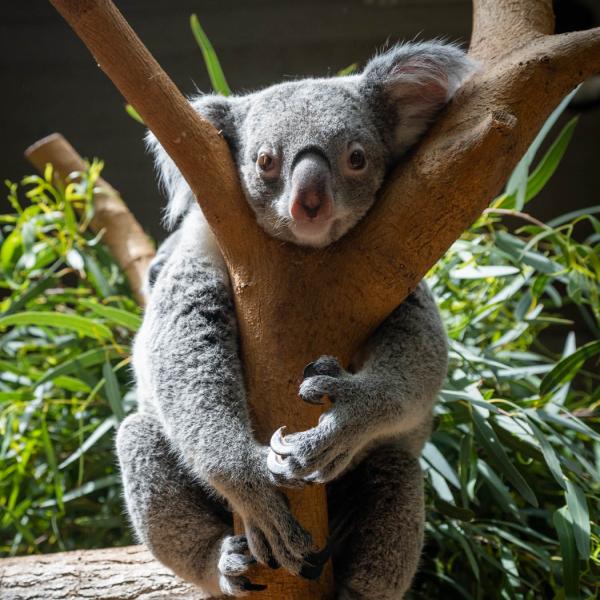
(290, 547)
(233, 564)
(273, 535)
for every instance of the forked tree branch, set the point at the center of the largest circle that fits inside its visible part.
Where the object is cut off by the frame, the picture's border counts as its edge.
(294, 304)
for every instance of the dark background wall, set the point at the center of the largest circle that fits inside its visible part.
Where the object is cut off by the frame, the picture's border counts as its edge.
(48, 81)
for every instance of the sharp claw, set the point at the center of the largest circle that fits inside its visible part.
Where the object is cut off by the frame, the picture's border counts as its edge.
(278, 443)
(312, 400)
(309, 370)
(252, 587)
(275, 464)
(320, 557)
(311, 571)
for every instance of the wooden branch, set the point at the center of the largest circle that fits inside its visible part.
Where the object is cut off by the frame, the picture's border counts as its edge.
(293, 304)
(500, 26)
(461, 165)
(123, 235)
(199, 151)
(116, 573)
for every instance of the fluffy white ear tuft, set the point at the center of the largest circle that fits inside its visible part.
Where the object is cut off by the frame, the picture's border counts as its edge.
(409, 84)
(174, 186)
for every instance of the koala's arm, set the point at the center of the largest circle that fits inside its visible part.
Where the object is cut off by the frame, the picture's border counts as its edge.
(391, 393)
(187, 353)
(189, 375)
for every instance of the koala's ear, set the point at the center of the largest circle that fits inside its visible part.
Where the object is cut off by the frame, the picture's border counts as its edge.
(226, 114)
(408, 85)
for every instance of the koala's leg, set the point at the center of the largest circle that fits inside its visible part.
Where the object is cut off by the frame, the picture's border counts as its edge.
(175, 517)
(377, 520)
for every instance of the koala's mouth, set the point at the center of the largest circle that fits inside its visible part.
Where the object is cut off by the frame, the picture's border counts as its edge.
(312, 233)
(311, 230)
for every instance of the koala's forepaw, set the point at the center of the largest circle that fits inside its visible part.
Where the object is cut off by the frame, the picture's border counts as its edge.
(234, 562)
(317, 455)
(323, 377)
(322, 453)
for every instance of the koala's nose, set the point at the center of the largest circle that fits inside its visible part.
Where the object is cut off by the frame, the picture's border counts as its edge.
(311, 197)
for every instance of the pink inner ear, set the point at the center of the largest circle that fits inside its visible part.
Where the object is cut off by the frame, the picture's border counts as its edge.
(419, 80)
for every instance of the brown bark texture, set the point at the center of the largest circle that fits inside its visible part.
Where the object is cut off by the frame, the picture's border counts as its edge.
(293, 304)
(122, 234)
(115, 573)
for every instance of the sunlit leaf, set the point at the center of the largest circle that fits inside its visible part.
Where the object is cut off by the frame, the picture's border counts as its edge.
(75, 323)
(134, 114)
(481, 272)
(568, 548)
(549, 163)
(568, 367)
(112, 391)
(580, 518)
(213, 66)
(102, 429)
(493, 446)
(116, 315)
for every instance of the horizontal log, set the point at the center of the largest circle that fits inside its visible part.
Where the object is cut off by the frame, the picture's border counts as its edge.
(110, 574)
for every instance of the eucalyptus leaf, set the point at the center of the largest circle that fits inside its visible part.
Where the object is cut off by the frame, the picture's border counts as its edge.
(570, 559)
(81, 325)
(213, 66)
(495, 449)
(580, 518)
(568, 367)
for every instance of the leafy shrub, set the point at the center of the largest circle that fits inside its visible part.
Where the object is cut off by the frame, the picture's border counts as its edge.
(65, 328)
(513, 465)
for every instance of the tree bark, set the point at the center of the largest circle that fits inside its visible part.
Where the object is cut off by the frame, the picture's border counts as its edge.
(295, 304)
(113, 573)
(123, 235)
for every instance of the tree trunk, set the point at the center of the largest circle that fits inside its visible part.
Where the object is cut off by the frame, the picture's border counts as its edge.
(295, 304)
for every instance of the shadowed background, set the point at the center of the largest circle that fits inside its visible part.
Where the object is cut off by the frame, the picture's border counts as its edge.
(49, 82)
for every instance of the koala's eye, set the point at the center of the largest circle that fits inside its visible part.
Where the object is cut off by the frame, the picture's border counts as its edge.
(357, 160)
(267, 164)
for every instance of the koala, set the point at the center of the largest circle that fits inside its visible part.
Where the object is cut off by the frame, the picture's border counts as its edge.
(311, 155)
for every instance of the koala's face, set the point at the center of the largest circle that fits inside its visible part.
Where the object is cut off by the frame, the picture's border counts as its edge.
(313, 153)
(311, 159)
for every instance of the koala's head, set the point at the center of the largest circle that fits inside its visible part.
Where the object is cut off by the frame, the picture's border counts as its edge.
(313, 153)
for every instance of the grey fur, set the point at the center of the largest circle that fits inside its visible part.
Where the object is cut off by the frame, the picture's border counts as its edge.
(189, 456)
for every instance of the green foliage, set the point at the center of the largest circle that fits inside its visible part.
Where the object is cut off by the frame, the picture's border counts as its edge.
(514, 482)
(66, 320)
(213, 66)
